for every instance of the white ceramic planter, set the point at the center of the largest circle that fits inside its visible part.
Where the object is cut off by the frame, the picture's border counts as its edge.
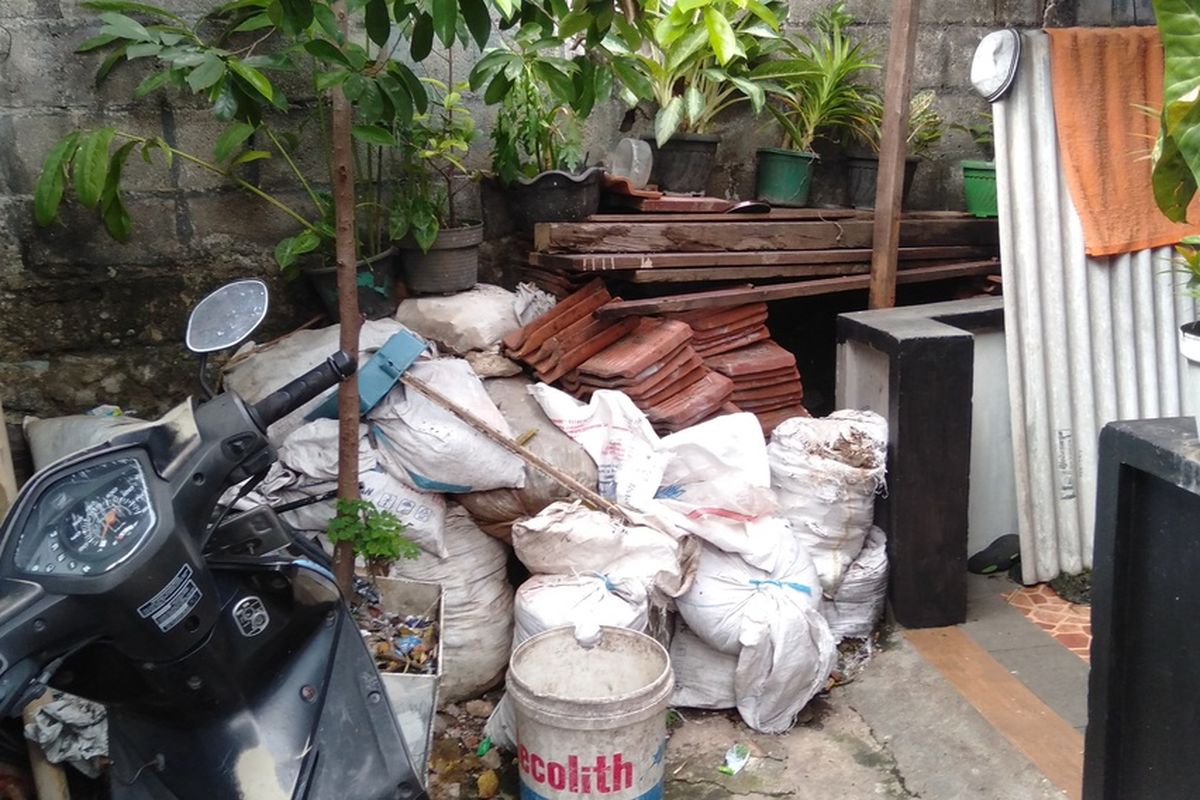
(1189, 347)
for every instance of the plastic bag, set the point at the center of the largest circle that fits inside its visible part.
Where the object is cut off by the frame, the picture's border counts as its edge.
(58, 437)
(826, 473)
(858, 605)
(495, 511)
(254, 374)
(771, 622)
(473, 320)
(477, 637)
(532, 303)
(545, 602)
(433, 450)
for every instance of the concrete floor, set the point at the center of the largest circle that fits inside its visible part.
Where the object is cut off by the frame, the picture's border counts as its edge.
(898, 730)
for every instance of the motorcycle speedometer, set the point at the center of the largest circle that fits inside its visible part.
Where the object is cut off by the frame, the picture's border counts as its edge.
(88, 521)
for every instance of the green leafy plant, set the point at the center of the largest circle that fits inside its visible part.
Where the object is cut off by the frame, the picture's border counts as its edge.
(823, 94)
(697, 58)
(432, 150)
(1176, 153)
(980, 133)
(217, 58)
(376, 535)
(925, 125)
(537, 126)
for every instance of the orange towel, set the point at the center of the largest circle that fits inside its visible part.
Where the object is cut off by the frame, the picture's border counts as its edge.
(1100, 77)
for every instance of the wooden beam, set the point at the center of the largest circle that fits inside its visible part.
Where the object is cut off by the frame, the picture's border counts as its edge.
(703, 274)
(605, 262)
(8, 476)
(774, 215)
(687, 236)
(718, 298)
(893, 147)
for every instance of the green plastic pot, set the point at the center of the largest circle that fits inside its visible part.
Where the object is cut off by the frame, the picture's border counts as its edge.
(979, 186)
(784, 176)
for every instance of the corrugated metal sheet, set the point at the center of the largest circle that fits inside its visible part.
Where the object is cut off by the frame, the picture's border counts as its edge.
(1089, 340)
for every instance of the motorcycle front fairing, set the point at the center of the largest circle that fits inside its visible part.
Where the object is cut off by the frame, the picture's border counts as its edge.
(238, 678)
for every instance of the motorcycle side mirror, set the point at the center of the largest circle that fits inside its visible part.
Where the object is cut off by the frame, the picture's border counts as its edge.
(226, 317)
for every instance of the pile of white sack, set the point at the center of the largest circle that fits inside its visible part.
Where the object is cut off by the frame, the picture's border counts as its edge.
(748, 559)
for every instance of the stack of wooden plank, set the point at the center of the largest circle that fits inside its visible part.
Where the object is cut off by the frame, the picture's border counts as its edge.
(816, 251)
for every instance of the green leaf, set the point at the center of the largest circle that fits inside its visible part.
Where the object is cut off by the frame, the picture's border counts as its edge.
(249, 155)
(291, 248)
(91, 166)
(505, 7)
(110, 61)
(256, 79)
(762, 12)
(752, 90)
(497, 89)
(157, 143)
(94, 43)
(136, 8)
(229, 141)
(327, 21)
(207, 74)
(686, 6)
(721, 36)
(297, 14)
(378, 22)
(397, 94)
(51, 183)
(327, 80)
(445, 20)
(573, 23)
(142, 50)
(603, 80)
(254, 23)
(1177, 152)
(693, 103)
(123, 27)
(151, 83)
(422, 38)
(486, 67)
(325, 50)
(685, 47)
(666, 122)
(416, 89)
(633, 79)
(373, 134)
(479, 21)
(224, 105)
(560, 84)
(112, 181)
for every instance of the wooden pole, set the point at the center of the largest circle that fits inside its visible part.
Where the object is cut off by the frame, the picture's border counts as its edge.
(892, 151)
(8, 476)
(345, 244)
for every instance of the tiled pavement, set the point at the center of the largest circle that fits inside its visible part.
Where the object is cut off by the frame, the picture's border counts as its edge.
(1069, 623)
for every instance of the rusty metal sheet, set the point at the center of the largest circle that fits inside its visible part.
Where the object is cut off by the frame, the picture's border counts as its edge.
(652, 341)
(761, 357)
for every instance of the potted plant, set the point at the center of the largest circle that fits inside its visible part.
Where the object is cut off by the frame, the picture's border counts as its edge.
(537, 140)
(241, 87)
(924, 132)
(822, 97)
(979, 177)
(696, 60)
(439, 251)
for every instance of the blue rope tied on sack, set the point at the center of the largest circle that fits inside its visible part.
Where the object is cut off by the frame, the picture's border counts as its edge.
(608, 585)
(799, 587)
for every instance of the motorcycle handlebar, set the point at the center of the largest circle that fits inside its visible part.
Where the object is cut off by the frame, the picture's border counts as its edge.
(287, 399)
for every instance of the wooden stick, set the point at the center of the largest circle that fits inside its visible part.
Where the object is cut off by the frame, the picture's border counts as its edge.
(8, 476)
(893, 146)
(50, 780)
(560, 477)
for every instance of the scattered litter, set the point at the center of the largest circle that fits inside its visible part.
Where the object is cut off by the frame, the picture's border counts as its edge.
(403, 644)
(480, 708)
(105, 411)
(72, 730)
(484, 747)
(736, 758)
(488, 784)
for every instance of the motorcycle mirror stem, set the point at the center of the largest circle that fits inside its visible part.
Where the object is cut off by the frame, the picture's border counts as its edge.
(224, 319)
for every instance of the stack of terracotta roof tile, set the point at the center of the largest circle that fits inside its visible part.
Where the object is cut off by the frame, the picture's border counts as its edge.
(765, 381)
(657, 367)
(719, 331)
(560, 340)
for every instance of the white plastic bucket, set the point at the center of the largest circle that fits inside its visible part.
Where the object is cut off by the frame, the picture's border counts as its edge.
(591, 721)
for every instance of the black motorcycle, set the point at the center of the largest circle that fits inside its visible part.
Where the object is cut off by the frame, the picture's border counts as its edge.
(219, 642)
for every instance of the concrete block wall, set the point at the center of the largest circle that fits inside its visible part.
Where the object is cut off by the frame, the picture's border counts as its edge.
(85, 320)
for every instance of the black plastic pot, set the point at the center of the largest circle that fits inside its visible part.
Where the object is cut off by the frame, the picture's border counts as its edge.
(375, 286)
(451, 265)
(684, 163)
(863, 176)
(555, 196)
